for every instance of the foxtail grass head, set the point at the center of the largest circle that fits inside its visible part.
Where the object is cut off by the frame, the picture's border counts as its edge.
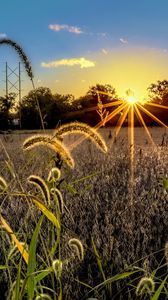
(21, 54)
(42, 186)
(88, 131)
(54, 144)
(145, 286)
(43, 297)
(77, 248)
(3, 184)
(57, 267)
(57, 194)
(166, 253)
(54, 174)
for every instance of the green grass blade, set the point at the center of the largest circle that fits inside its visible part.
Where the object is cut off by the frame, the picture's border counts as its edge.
(17, 286)
(31, 284)
(42, 275)
(16, 241)
(114, 278)
(46, 211)
(98, 260)
(157, 293)
(3, 267)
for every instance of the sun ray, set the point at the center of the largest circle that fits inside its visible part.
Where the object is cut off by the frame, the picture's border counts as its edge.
(111, 104)
(156, 105)
(141, 120)
(100, 124)
(105, 93)
(131, 147)
(152, 116)
(119, 124)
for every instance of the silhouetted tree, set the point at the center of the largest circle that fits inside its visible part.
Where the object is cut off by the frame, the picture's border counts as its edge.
(91, 100)
(6, 104)
(158, 92)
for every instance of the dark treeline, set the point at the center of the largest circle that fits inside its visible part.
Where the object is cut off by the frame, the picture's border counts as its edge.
(57, 108)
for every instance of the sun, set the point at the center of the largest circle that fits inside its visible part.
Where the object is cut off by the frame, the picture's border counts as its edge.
(130, 97)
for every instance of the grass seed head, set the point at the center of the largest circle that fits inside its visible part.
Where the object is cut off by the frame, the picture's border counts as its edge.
(3, 184)
(43, 296)
(54, 144)
(21, 54)
(145, 286)
(57, 193)
(88, 131)
(42, 186)
(77, 247)
(166, 253)
(57, 267)
(55, 174)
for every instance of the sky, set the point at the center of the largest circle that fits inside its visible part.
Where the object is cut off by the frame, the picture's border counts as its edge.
(74, 44)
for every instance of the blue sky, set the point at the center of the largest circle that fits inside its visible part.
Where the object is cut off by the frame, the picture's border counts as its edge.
(74, 44)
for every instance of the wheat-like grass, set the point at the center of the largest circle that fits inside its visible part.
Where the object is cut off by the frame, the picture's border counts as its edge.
(54, 144)
(40, 184)
(57, 193)
(145, 286)
(88, 131)
(77, 248)
(43, 296)
(57, 267)
(166, 253)
(54, 173)
(3, 184)
(21, 54)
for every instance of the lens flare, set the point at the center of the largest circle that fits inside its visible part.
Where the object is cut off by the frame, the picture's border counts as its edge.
(126, 108)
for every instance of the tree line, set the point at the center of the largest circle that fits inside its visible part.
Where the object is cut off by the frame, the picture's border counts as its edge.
(57, 108)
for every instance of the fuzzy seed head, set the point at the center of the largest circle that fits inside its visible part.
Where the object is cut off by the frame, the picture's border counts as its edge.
(54, 144)
(3, 184)
(57, 267)
(55, 174)
(88, 131)
(166, 253)
(42, 186)
(145, 286)
(43, 296)
(56, 193)
(21, 54)
(77, 248)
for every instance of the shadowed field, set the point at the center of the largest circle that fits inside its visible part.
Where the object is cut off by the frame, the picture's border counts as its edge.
(97, 198)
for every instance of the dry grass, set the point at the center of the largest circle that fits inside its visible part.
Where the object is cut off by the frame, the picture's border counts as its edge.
(98, 207)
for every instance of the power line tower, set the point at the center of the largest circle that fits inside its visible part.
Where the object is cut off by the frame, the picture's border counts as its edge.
(13, 83)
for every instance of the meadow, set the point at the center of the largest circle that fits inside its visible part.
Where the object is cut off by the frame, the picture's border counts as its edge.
(122, 241)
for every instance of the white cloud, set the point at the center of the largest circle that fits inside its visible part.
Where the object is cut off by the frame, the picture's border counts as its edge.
(81, 61)
(3, 35)
(59, 27)
(104, 51)
(123, 41)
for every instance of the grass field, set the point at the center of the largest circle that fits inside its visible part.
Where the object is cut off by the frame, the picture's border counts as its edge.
(97, 211)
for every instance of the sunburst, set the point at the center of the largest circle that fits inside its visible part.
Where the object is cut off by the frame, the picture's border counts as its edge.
(127, 108)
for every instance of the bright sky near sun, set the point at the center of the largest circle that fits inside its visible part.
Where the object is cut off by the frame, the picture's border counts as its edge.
(74, 44)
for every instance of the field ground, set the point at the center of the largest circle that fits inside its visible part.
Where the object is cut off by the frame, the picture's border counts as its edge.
(98, 206)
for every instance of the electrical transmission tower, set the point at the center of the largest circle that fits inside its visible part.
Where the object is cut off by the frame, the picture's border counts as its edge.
(13, 83)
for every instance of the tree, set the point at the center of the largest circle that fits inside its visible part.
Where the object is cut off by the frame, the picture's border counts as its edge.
(158, 92)
(6, 104)
(92, 98)
(40, 98)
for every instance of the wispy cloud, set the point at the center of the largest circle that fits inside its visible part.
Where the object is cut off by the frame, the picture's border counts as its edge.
(70, 62)
(104, 51)
(59, 27)
(123, 41)
(3, 35)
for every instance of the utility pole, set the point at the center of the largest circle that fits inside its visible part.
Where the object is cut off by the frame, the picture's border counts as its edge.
(13, 84)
